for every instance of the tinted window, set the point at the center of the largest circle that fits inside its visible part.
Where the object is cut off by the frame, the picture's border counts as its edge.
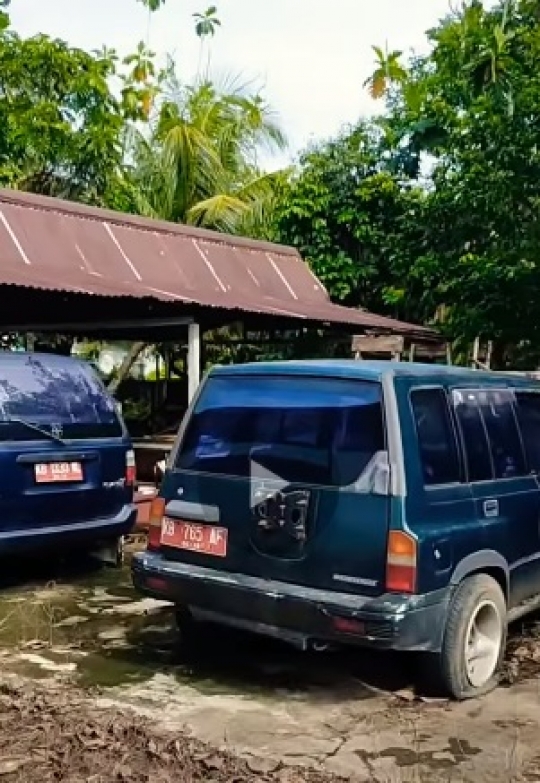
(503, 435)
(474, 435)
(312, 430)
(528, 410)
(436, 439)
(55, 391)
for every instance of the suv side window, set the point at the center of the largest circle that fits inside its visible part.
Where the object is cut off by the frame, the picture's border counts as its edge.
(503, 434)
(473, 433)
(528, 412)
(436, 438)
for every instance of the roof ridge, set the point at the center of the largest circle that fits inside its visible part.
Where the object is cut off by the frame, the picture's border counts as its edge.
(127, 220)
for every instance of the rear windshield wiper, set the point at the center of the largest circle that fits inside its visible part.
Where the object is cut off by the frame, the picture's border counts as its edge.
(34, 428)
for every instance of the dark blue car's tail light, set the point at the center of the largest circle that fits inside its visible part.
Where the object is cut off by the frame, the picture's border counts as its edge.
(131, 469)
(155, 521)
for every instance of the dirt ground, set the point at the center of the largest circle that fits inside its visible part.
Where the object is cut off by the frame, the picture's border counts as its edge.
(57, 734)
(95, 686)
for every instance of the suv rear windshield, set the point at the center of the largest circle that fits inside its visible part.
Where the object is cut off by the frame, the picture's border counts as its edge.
(295, 429)
(56, 394)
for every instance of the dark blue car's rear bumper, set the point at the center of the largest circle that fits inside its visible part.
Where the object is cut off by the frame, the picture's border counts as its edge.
(291, 612)
(66, 535)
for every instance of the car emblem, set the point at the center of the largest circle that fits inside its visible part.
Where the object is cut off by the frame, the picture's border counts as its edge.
(57, 430)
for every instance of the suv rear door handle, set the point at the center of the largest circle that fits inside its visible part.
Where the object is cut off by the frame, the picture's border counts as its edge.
(491, 508)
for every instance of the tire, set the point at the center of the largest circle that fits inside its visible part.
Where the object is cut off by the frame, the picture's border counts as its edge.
(190, 632)
(477, 607)
(184, 620)
(120, 552)
(111, 553)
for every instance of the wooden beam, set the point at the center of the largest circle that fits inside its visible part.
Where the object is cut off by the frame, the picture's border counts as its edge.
(387, 343)
(101, 326)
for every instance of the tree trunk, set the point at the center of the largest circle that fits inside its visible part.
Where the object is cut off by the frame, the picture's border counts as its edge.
(124, 370)
(498, 356)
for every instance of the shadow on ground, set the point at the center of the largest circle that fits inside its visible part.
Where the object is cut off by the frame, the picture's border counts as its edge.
(116, 637)
(89, 622)
(240, 661)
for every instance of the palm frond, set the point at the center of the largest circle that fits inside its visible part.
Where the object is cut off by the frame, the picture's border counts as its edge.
(222, 212)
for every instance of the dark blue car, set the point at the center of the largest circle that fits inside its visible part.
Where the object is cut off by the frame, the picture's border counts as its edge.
(67, 467)
(380, 504)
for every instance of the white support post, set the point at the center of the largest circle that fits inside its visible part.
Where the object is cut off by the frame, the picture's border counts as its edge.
(193, 359)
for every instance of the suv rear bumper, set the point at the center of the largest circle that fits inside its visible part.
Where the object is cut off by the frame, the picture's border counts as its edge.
(69, 534)
(294, 613)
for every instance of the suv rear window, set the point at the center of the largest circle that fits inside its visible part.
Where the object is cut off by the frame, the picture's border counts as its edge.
(54, 393)
(297, 429)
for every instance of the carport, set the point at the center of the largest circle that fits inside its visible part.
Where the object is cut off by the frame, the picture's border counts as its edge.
(71, 269)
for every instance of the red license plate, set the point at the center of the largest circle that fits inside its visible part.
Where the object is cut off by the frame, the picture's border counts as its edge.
(206, 539)
(52, 472)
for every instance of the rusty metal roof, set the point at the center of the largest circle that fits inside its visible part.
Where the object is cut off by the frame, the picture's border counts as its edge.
(57, 245)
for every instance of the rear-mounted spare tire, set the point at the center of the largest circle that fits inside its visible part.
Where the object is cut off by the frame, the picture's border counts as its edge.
(474, 640)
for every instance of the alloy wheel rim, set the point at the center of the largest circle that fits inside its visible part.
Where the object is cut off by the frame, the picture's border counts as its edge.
(483, 642)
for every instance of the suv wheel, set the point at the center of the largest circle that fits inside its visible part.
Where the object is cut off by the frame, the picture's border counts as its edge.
(474, 639)
(190, 631)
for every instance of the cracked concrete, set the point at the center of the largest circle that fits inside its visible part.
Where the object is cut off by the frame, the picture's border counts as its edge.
(496, 739)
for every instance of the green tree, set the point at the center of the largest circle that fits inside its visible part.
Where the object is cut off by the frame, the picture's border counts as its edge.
(350, 211)
(61, 126)
(200, 164)
(432, 212)
(479, 93)
(388, 71)
(4, 17)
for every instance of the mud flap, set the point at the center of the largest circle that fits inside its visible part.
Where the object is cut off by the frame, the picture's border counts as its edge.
(110, 553)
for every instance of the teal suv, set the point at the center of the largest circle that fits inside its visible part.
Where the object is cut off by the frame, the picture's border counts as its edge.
(387, 505)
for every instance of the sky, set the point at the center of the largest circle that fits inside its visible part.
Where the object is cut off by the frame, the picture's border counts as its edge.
(310, 57)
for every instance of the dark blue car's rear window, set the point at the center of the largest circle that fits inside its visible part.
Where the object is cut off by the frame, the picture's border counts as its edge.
(298, 429)
(54, 393)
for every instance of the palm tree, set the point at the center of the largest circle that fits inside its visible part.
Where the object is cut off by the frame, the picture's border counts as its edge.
(388, 71)
(200, 165)
(207, 22)
(153, 5)
(140, 87)
(490, 67)
(206, 25)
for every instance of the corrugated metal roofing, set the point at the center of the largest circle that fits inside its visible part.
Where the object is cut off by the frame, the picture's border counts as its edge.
(58, 245)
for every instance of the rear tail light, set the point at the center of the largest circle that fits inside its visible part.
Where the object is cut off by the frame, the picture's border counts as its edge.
(131, 469)
(349, 625)
(155, 520)
(401, 562)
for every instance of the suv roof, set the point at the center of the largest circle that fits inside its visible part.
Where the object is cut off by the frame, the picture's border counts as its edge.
(371, 370)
